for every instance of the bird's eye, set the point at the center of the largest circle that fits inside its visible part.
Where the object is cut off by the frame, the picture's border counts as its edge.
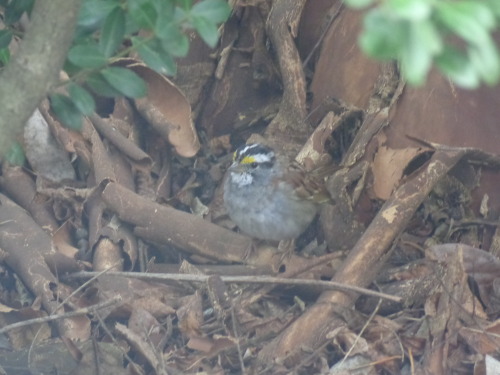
(254, 164)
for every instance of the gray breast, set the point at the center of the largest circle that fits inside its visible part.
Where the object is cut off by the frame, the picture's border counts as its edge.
(267, 213)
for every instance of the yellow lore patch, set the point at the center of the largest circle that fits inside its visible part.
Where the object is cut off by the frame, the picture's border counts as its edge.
(248, 160)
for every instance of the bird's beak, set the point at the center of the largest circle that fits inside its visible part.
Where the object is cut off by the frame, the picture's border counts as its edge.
(237, 168)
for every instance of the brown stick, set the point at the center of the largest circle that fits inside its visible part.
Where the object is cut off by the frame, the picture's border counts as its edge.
(282, 27)
(50, 318)
(242, 280)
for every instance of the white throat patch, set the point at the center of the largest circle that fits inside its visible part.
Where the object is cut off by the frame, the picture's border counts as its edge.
(241, 179)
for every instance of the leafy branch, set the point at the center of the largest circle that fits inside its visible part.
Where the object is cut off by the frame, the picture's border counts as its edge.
(456, 36)
(109, 29)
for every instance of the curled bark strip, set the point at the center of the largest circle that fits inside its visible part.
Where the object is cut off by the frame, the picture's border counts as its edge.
(28, 249)
(314, 154)
(281, 28)
(107, 239)
(26, 242)
(166, 225)
(372, 124)
(107, 255)
(127, 147)
(108, 164)
(123, 237)
(363, 262)
(16, 182)
(27, 245)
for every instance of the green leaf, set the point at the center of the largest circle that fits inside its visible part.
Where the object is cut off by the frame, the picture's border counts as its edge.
(472, 21)
(154, 57)
(66, 111)
(186, 4)
(479, 11)
(358, 4)
(143, 13)
(207, 30)
(86, 56)
(494, 5)
(180, 15)
(15, 155)
(167, 30)
(131, 27)
(178, 47)
(15, 10)
(382, 37)
(215, 11)
(112, 33)
(125, 81)
(173, 40)
(134, 4)
(82, 99)
(71, 68)
(101, 87)
(93, 12)
(469, 20)
(5, 38)
(455, 65)
(82, 34)
(418, 52)
(164, 9)
(4, 56)
(486, 61)
(414, 10)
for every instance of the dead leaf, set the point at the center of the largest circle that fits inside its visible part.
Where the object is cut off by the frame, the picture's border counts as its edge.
(166, 109)
(190, 315)
(145, 324)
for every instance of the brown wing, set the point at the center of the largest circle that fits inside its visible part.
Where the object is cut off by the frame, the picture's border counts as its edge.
(308, 186)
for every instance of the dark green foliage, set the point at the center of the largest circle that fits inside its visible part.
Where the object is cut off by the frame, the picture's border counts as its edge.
(108, 29)
(14, 9)
(66, 111)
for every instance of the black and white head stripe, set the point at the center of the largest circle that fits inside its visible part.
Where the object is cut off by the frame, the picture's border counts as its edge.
(254, 153)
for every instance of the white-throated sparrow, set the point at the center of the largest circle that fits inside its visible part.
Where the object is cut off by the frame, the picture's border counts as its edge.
(268, 197)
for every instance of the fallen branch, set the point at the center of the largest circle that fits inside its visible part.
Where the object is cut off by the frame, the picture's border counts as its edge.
(327, 285)
(50, 318)
(166, 225)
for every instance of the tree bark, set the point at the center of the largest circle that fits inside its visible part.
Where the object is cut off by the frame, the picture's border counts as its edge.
(34, 69)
